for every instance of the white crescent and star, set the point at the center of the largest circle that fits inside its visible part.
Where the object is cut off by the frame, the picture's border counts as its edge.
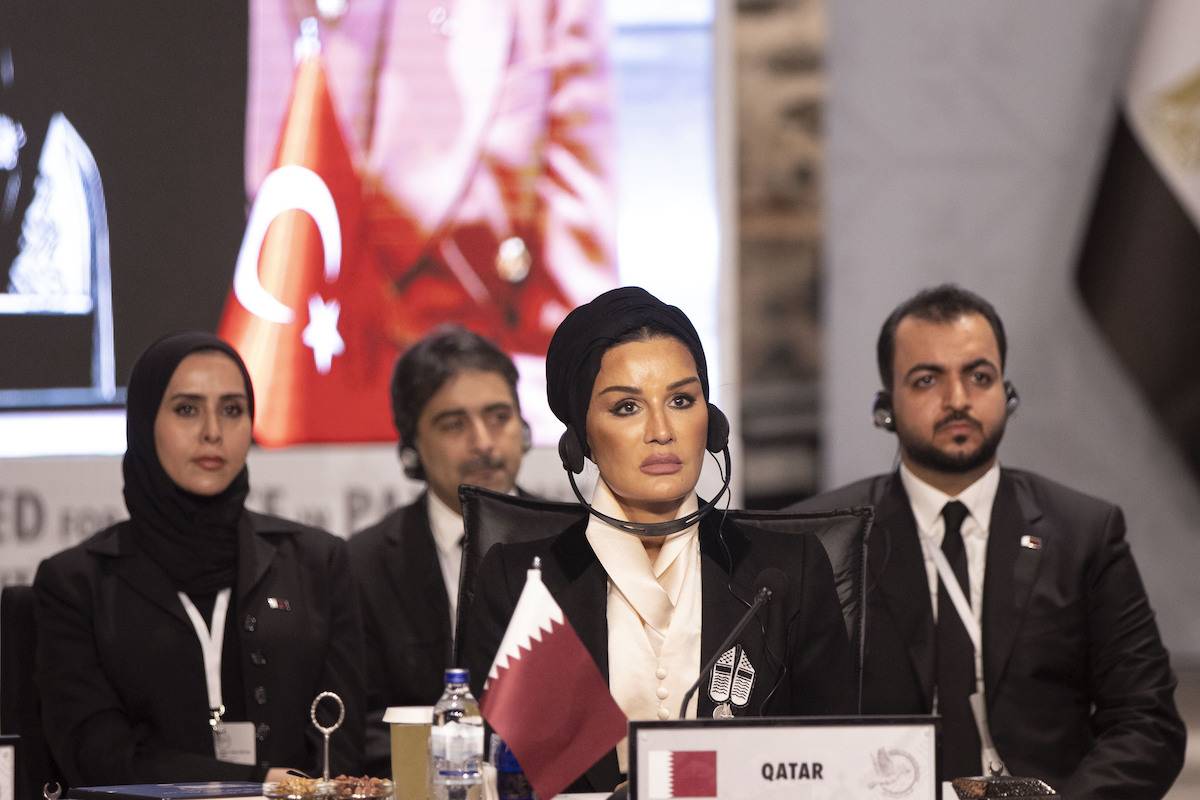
(287, 188)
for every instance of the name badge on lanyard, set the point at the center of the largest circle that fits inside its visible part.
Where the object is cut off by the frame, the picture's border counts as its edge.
(232, 741)
(990, 758)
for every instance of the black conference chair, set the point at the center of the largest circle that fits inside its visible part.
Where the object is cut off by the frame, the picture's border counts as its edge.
(20, 707)
(490, 518)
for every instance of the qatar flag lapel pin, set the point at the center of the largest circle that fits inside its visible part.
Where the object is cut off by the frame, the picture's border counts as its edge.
(1031, 542)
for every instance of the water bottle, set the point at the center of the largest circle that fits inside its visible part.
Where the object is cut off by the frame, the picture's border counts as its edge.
(456, 742)
(511, 783)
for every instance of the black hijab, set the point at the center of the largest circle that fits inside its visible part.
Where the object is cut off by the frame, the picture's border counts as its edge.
(193, 538)
(579, 344)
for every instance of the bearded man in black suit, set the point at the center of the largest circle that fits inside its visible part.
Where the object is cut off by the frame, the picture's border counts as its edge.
(1069, 680)
(454, 402)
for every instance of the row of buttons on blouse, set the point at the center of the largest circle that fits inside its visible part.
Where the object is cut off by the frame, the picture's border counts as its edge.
(662, 693)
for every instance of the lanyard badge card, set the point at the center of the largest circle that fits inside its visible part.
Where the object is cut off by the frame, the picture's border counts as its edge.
(232, 741)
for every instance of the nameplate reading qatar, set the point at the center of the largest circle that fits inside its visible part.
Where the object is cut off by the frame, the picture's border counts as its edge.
(799, 758)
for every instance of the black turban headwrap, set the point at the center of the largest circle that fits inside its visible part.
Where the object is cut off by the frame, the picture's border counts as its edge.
(193, 538)
(573, 360)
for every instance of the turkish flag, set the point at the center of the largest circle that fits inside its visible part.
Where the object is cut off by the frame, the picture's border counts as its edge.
(305, 310)
(540, 657)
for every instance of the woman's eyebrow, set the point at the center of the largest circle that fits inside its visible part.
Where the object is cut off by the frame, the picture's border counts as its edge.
(636, 390)
(621, 389)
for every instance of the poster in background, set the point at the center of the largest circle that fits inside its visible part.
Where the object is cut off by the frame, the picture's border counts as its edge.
(182, 217)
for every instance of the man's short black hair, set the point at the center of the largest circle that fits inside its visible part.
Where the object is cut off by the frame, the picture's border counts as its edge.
(944, 303)
(428, 364)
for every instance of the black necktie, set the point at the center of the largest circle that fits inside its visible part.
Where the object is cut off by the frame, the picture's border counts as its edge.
(956, 660)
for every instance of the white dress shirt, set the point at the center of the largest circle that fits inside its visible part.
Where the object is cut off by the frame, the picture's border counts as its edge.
(927, 503)
(654, 615)
(446, 524)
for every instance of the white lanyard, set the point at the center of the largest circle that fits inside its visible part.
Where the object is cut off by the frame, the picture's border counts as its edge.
(962, 606)
(953, 588)
(211, 641)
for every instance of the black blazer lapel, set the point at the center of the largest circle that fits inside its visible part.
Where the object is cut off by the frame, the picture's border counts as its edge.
(897, 568)
(580, 586)
(1011, 571)
(415, 575)
(719, 611)
(137, 569)
(255, 553)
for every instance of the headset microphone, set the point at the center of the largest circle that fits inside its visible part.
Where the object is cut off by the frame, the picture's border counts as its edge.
(658, 528)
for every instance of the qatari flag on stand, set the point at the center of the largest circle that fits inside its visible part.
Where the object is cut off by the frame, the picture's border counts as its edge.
(1139, 271)
(545, 696)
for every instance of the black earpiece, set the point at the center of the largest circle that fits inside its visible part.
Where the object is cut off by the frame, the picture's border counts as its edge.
(1012, 400)
(410, 461)
(885, 419)
(572, 452)
(718, 430)
(881, 411)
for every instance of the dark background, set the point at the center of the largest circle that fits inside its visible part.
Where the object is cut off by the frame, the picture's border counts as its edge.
(157, 90)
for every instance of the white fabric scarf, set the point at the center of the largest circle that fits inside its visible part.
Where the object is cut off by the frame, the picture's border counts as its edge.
(654, 615)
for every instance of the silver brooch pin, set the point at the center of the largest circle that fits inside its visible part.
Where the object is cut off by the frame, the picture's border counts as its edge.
(731, 682)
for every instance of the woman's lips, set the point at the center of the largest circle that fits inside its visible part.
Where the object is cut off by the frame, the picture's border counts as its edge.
(211, 463)
(662, 465)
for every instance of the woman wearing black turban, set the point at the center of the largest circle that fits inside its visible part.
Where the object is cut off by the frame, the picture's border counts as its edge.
(128, 689)
(650, 581)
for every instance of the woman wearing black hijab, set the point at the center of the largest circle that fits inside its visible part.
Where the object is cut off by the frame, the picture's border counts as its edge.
(188, 642)
(652, 580)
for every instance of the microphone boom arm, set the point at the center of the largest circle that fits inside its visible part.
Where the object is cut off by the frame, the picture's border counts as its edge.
(760, 599)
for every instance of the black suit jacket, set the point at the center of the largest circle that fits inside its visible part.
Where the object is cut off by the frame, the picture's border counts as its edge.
(800, 650)
(406, 619)
(1078, 685)
(121, 675)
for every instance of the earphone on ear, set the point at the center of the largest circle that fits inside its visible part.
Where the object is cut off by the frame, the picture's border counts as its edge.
(410, 461)
(572, 451)
(885, 419)
(526, 437)
(881, 411)
(1012, 400)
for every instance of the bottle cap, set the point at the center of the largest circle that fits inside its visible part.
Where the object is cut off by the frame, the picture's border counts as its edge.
(504, 758)
(458, 675)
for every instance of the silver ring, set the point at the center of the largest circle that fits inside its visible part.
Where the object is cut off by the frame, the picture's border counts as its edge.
(312, 712)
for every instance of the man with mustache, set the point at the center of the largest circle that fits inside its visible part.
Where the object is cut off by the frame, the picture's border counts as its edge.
(454, 403)
(1070, 681)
